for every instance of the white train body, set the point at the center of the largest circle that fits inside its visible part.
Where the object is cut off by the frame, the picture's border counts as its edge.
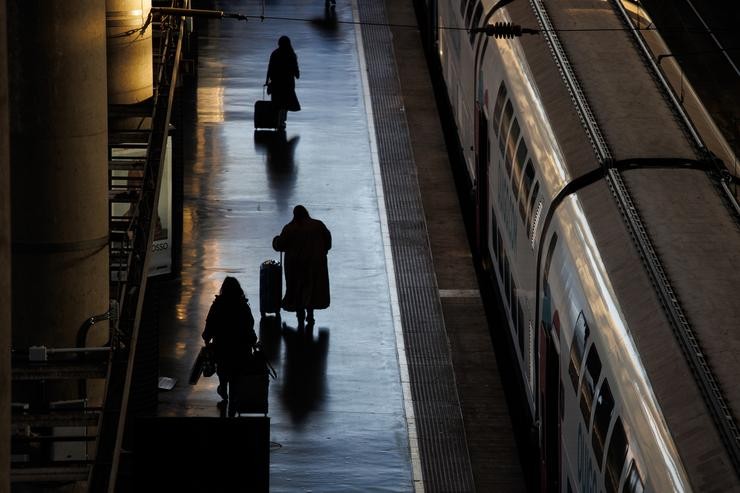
(587, 387)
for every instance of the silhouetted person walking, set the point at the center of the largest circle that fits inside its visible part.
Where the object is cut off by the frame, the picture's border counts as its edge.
(280, 81)
(230, 326)
(305, 241)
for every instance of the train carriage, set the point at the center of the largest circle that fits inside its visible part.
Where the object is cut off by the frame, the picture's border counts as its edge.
(606, 224)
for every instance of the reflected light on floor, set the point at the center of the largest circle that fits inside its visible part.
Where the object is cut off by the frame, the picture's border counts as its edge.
(211, 104)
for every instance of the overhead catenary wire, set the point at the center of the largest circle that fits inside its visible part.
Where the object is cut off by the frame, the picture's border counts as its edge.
(263, 18)
(497, 30)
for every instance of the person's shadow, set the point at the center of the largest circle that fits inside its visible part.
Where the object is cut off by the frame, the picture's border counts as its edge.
(304, 371)
(270, 338)
(279, 152)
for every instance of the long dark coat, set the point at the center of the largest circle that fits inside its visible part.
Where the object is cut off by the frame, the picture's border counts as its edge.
(281, 74)
(231, 327)
(305, 243)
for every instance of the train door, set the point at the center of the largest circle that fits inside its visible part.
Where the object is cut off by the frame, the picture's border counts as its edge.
(482, 206)
(549, 376)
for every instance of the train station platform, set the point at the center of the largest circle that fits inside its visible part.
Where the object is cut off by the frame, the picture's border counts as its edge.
(397, 387)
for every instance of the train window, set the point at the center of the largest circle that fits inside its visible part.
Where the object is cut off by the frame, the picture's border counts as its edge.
(501, 253)
(499, 106)
(602, 418)
(588, 384)
(633, 484)
(521, 155)
(512, 298)
(520, 326)
(494, 232)
(511, 145)
(507, 280)
(615, 456)
(505, 121)
(526, 187)
(580, 337)
(476, 20)
(532, 199)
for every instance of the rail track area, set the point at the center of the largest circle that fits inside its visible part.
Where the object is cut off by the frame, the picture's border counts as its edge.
(397, 386)
(702, 36)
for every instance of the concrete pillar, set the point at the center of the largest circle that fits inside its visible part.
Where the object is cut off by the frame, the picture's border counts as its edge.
(4, 261)
(130, 77)
(58, 155)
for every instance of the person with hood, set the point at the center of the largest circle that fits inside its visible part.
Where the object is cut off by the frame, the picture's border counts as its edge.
(282, 71)
(306, 242)
(230, 329)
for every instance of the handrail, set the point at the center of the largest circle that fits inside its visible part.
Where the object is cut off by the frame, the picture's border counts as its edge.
(112, 428)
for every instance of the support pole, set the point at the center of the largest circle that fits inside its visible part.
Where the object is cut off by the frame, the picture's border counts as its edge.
(4, 261)
(59, 166)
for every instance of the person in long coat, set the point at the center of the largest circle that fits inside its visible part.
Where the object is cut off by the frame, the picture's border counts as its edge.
(230, 329)
(306, 242)
(282, 71)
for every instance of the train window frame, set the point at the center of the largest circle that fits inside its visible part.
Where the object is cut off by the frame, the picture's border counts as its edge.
(498, 108)
(477, 13)
(590, 383)
(502, 253)
(506, 118)
(469, 11)
(463, 6)
(578, 348)
(633, 482)
(618, 443)
(603, 414)
(511, 143)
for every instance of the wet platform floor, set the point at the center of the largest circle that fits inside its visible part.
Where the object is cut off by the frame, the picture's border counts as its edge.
(337, 408)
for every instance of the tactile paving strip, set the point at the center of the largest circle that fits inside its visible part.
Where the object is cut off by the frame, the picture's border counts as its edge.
(441, 436)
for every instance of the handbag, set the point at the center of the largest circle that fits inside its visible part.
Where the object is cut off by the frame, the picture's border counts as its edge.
(204, 364)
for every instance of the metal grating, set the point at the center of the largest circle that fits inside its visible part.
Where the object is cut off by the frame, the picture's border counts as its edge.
(442, 444)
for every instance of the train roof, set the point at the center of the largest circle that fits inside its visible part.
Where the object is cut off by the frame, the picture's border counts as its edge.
(694, 232)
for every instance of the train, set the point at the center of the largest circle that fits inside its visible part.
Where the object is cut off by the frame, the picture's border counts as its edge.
(607, 219)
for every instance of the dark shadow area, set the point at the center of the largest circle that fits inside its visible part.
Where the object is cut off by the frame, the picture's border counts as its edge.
(202, 454)
(270, 336)
(503, 346)
(279, 152)
(328, 24)
(304, 370)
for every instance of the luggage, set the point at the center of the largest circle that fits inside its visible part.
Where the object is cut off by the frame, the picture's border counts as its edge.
(271, 287)
(248, 393)
(248, 388)
(266, 115)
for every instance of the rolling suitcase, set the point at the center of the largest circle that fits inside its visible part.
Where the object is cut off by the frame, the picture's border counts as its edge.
(266, 115)
(248, 393)
(271, 287)
(248, 388)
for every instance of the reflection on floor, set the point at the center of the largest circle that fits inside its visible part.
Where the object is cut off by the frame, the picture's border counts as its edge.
(336, 411)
